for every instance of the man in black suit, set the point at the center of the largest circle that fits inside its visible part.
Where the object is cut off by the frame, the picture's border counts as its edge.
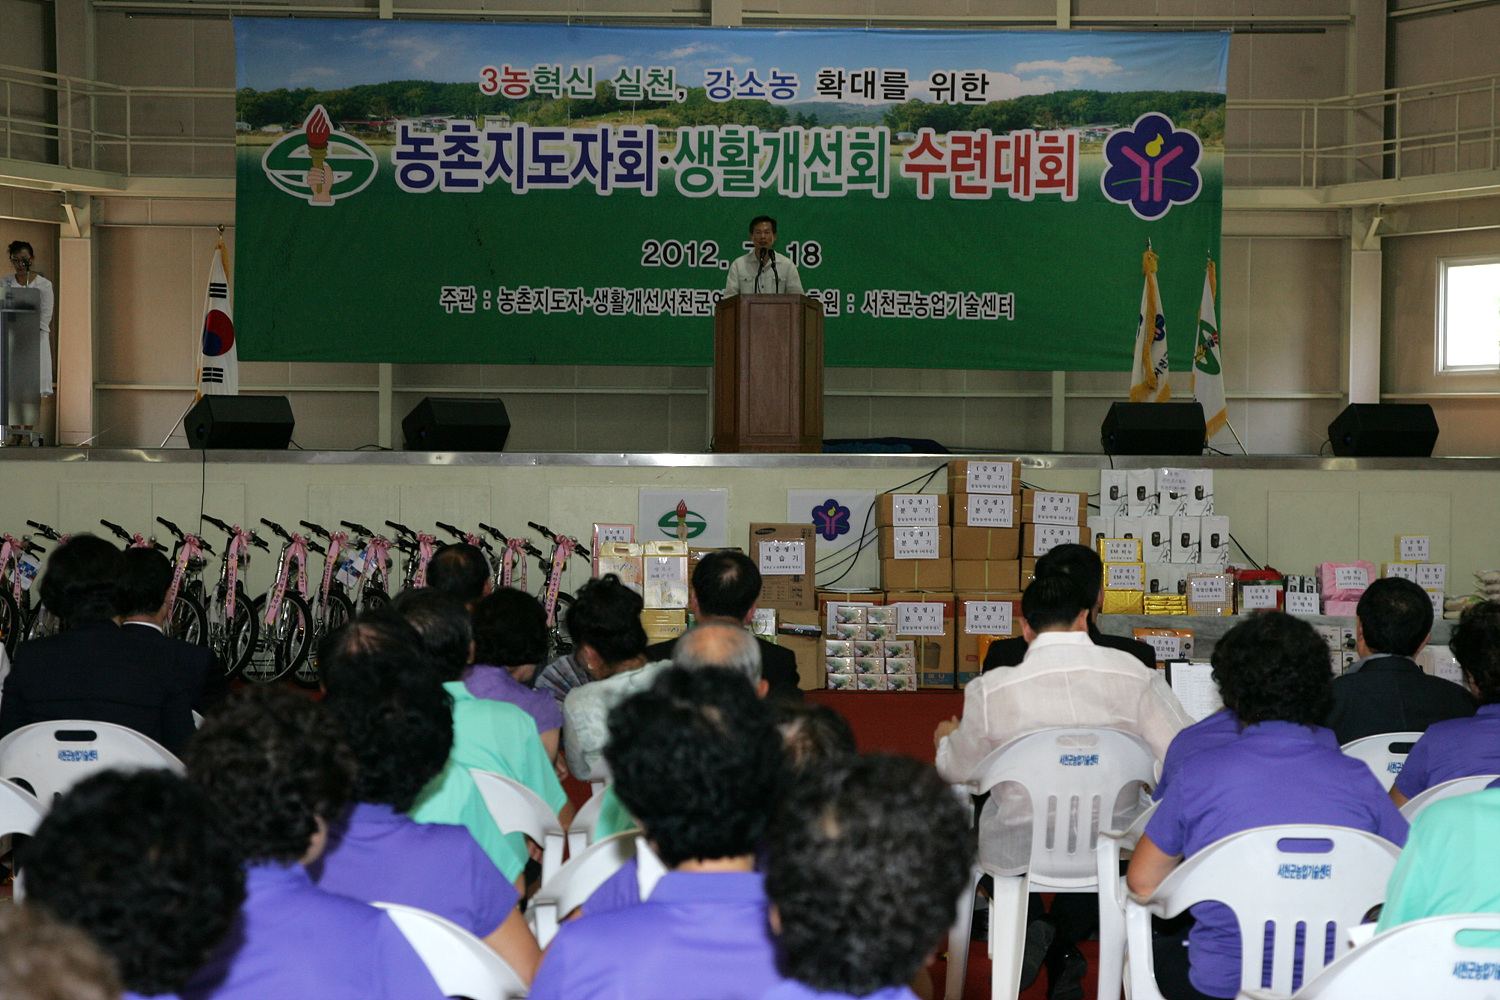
(1084, 565)
(1385, 691)
(725, 588)
(94, 670)
(143, 606)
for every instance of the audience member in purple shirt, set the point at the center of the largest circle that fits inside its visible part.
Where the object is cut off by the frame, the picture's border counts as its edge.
(275, 768)
(397, 720)
(697, 760)
(847, 833)
(510, 640)
(1459, 748)
(146, 842)
(1213, 731)
(1273, 669)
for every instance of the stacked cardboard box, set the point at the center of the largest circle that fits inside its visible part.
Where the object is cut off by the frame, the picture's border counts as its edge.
(982, 618)
(986, 525)
(899, 628)
(785, 554)
(915, 544)
(1050, 518)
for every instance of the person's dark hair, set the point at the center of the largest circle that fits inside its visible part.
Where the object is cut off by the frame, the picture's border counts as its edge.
(606, 615)
(696, 760)
(383, 689)
(1078, 563)
(1395, 616)
(868, 856)
(762, 218)
(1273, 667)
(16, 246)
(443, 623)
(510, 629)
(1053, 601)
(1476, 645)
(726, 584)
(140, 862)
(811, 734)
(42, 958)
(82, 579)
(272, 762)
(459, 570)
(145, 581)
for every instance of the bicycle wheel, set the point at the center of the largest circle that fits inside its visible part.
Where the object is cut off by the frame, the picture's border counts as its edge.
(11, 627)
(43, 623)
(232, 640)
(558, 636)
(189, 621)
(336, 612)
(373, 599)
(282, 645)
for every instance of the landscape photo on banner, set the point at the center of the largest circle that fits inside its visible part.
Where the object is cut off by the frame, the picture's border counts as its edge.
(557, 194)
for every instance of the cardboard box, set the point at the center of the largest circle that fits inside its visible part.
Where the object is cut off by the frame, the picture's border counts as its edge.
(1054, 507)
(935, 653)
(665, 574)
(1155, 533)
(986, 543)
(983, 475)
(1039, 539)
(903, 543)
(801, 632)
(970, 647)
(916, 574)
(885, 510)
(1028, 571)
(785, 591)
(985, 510)
(622, 559)
(979, 574)
(663, 624)
(1100, 528)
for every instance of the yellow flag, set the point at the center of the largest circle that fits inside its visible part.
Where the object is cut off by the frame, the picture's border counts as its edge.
(1148, 372)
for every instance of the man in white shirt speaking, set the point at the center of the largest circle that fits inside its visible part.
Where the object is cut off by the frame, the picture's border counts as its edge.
(763, 271)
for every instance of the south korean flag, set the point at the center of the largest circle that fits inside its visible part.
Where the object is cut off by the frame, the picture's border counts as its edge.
(218, 358)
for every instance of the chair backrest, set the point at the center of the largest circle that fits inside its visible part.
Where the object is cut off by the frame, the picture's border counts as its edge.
(517, 809)
(20, 811)
(52, 757)
(1383, 753)
(1319, 879)
(462, 965)
(599, 776)
(1419, 959)
(585, 821)
(1075, 778)
(1446, 790)
(576, 881)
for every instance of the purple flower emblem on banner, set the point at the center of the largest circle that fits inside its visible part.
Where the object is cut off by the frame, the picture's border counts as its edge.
(831, 519)
(1151, 165)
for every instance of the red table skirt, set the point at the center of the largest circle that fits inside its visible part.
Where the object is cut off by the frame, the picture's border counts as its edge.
(893, 721)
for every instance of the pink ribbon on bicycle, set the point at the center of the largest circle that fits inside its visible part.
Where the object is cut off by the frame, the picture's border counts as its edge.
(474, 540)
(425, 543)
(554, 579)
(185, 555)
(11, 547)
(377, 555)
(508, 561)
(237, 541)
(335, 540)
(140, 541)
(297, 550)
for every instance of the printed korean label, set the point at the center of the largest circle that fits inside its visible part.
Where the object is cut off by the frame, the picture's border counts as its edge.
(1414, 548)
(1126, 577)
(914, 509)
(616, 533)
(914, 618)
(989, 477)
(1432, 576)
(1208, 590)
(1301, 604)
(1350, 578)
(916, 543)
(993, 510)
(783, 558)
(1257, 596)
(1046, 537)
(1122, 550)
(1168, 647)
(1054, 508)
(988, 618)
(1179, 481)
(1405, 571)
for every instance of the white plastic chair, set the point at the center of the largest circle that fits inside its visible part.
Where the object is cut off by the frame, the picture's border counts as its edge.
(1076, 780)
(462, 964)
(1419, 959)
(1255, 874)
(584, 829)
(1113, 846)
(517, 809)
(1446, 790)
(586, 872)
(20, 812)
(1383, 753)
(52, 757)
(599, 777)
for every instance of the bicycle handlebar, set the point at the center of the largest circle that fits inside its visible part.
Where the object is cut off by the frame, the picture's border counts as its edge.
(315, 547)
(458, 533)
(119, 531)
(44, 529)
(222, 526)
(542, 529)
(316, 529)
(176, 531)
(259, 541)
(359, 528)
(401, 528)
(276, 529)
(494, 533)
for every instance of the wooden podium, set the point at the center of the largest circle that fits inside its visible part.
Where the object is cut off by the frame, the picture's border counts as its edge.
(768, 374)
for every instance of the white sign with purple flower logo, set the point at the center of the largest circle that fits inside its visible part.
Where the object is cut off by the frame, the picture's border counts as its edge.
(841, 519)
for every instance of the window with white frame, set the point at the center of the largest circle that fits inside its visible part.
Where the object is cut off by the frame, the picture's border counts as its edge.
(1469, 314)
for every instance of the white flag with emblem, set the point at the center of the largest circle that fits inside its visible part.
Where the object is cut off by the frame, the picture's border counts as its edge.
(1148, 374)
(1208, 372)
(218, 358)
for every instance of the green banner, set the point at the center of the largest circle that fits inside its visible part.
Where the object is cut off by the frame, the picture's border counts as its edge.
(547, 194)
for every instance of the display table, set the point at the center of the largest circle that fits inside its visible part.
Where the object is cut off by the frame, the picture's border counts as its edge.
(893, 721)
(1209, 629)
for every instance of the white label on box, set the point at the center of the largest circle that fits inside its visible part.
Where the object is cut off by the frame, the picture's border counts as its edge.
(1439, 662)
(616, 533)
(988, 618)
(764, 623)
(1432, 576)
(1413, 548)
(917, 618)
(992, 510)
(1405, 571)
(1298, 603)
(1046, 537)
(1208, 590)
(916, 543)
(1179, 481)
(1350, 578)
(1054, 508)
(914, 508)
(1122, 550)
(1168, 647)
(783, 558)
(665, 569)
(1256, 597)
(1127, 577)
(1436, 597)
(989, 477)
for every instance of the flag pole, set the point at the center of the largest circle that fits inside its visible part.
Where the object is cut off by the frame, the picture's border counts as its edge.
(1227, 422)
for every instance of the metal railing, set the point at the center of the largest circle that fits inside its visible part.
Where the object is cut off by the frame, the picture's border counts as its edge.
(1395, 133)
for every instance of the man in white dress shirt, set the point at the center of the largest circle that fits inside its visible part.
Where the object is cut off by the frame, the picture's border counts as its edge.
(763, 271)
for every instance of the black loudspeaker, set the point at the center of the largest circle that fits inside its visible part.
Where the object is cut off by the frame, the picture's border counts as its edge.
(1153, 429)
(239, 422)
(445, 423)
(1385, 430)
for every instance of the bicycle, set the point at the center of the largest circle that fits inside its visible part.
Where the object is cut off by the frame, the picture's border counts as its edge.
(282, 613)
(552, 595)
(370, 583)
(14, 582)
(187, 619)
(39, 621)
(331, 607)
(232, 628)
(417, 546)
(512, 557)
